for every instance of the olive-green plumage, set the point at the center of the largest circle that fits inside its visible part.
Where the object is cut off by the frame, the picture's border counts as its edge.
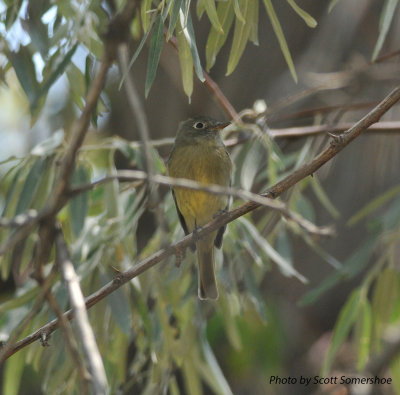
(200, 155)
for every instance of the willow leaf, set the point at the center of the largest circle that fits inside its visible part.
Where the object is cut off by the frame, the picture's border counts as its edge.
(216, 39)
(173, 19)
(386, 20)
(241, 34)
(211, 11)
(186, 62)
(280, 36)
(154, 53)
(307, 18)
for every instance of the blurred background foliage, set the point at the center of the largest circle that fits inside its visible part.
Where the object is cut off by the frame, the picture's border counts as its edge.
(289, 304)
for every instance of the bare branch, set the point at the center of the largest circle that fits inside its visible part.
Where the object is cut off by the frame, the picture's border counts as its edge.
(78, 307)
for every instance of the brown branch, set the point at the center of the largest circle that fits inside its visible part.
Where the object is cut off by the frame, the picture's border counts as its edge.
(335, 147)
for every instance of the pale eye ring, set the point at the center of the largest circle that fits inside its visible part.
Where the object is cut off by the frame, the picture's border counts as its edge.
(199, 125)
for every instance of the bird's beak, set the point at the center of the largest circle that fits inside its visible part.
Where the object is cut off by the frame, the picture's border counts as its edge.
(221, 125)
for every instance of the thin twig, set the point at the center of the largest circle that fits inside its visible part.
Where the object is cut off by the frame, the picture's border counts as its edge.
(223, 219)
(76, 298)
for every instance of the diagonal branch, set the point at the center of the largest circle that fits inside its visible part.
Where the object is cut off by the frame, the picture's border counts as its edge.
(335, 147)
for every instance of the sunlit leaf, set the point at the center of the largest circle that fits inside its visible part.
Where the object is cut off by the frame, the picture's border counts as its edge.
(154, 53)
(281, 37)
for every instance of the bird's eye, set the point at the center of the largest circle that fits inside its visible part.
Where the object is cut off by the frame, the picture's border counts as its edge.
(199, 125)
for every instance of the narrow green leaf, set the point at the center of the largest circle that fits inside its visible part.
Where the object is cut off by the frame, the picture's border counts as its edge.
(332, 5)
(25, 71)
(215, 375)
(58, 71)
(48, 146)
(238, 13)
(186, 62)
(154, 53)
(384, 25)
(308, 19)
(20, 300)
(145, 13)
(324, 198)
(31, 185)
(386, 293)
(216, 39)
(346, 319)
(79, 205)
(254, 25)
(241, 34)
(211, 11)
(362, 334)
(119, 305)
(11, 190)
(200, 8)
(12, 375)
(350, 268)
(284, 265)
(374, 205)
(173, 19)
(280, 36)
(138, 50)
(395, 374)
(191, 39)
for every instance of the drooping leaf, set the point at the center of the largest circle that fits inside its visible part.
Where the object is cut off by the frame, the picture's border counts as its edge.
(154, 53)
(362, 334)
(216, 38)
(346, 319)
(241, 34)
(280, 36)
(186, 62)
(173, 19)
(25, 69)
(138, 49)
(31, 185)
(384, 25)
(254, 25)
(374, 205)
(191, 39)
(308, 19)
(79, 205)
(211, 11)
(145, 8)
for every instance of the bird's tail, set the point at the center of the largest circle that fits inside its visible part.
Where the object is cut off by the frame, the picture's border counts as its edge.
(207, 283)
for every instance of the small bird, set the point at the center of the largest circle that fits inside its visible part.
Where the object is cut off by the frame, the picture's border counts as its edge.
(199, 154)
